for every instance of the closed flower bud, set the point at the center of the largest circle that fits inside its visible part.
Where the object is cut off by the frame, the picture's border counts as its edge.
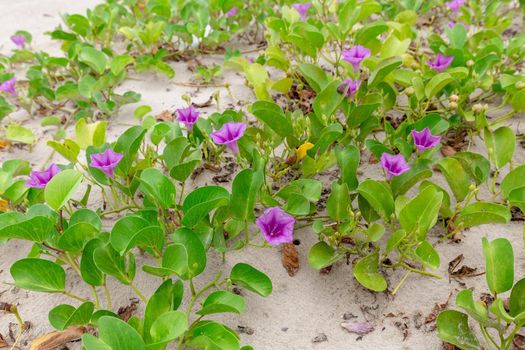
(454, 98)
(477, 108)
(470, 63)
(453, 106)
(409, 91)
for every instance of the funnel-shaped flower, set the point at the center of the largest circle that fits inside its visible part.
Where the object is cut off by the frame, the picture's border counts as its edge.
(276, 226)
(424, 139)
(356, 55)
(9, 86)
(229, 134)
(441, 63)
(454, 5)
(394, 165)
(349, 87)
(234, 11)
(19, 41)
(187, 116)
(39, 179)
(302, 9)
(106, 161)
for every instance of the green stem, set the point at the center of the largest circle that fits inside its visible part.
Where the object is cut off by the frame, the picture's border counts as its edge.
(108, 296)
(74, 296)
(14, 311)
(396, 289)
(139, 293)
(421, 272)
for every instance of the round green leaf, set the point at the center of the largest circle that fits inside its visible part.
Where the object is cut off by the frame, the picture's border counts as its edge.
(61, 188)
(39, 275)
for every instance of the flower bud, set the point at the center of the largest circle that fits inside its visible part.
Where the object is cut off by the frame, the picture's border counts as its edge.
(454, 98)
(470, 63)
(520, 85)
(477, 108)
(409, 91)
(453, 106)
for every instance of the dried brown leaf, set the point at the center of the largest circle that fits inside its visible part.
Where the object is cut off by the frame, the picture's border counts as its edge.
(54, 339)
(290, 259)
(3, 343)
(448, 151)
(125, 312)
(165, 116)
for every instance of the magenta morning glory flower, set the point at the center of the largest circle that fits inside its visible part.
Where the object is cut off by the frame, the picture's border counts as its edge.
(234, 11)
(441, 63)
(19, 41)
(106, 161)
(9, 86)
(424, 139)
(39, 179)
(394, 165)
(229, 134)
(276, 226)
(349, 87)
(454, 5)
(187, 116)
(302, 9)
(356, 55)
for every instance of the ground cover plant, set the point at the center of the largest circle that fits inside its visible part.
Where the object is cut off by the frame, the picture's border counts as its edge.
(340, 90)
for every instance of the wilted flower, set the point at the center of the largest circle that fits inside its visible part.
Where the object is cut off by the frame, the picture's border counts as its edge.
(394, 165)
(356, 55)
(349, 87)
(360, 328)
(9, 86)
(187, 116)
(424, 139)
(234, 11)
(229, 134)
(106, 161)
(19, 41)
(39, 179)
(454, 5)
(276, 226)
(441, 63)
(302, 9)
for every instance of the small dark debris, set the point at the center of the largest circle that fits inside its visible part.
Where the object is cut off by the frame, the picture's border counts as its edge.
(125, 312)
(245, 330)
(320, 338)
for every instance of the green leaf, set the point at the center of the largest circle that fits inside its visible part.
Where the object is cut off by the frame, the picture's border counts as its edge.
(454, 329)
(338, 203)
(379, 196)
(246, 276)
(315, 76)
(404, 182)
(75, 237)
(36, 229)
(348, 159)
(39, 275)
(64, 316)
(213, 335)
(93, 134)
(245, 188)
(499, 264)
(366, 273)
(394, 240)
(200, 202)
(480, 213)
(109, 261)
(118, 335)
(18, 133)
(327, 101)
(421, 212)
(322, 255)
(514, 180)
(273, 116)
(93, 58)
(384, 68)
(158, 187)
(517, 298)
(428, 255)
(89, 271)
(67, 149)
(61, 188)
(222, 301)
(168, 327)
(456, 177)
(437, 83)
(119, 63)
(501, 144)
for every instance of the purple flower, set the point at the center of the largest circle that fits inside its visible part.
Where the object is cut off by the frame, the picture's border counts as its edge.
(250, 59)
(302, 9)
(360, 328)
(106, 161)
(394, 165)
(9, 86)
(454, 5)
(39, 179)
(424, 139)
(276, 226)
(229, 134)
(234, 11)
(19, 41)
(441, 63)
(349, 87)
(356, 55)
(187, 116)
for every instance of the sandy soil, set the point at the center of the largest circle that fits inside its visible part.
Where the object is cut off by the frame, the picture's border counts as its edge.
(300, 308)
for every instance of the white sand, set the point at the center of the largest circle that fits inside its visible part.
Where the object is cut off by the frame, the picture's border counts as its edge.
(301, 307)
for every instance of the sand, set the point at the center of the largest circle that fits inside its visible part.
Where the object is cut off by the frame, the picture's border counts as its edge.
(301, 308)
